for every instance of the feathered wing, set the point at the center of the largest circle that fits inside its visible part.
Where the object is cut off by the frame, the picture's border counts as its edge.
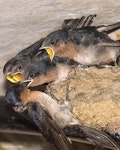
(48, 127)
(36, 113)
(78, 22)
(31, 49)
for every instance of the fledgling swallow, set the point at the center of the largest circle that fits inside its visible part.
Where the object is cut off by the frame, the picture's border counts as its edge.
(45, 71)
(50, 117)
(88, 45)
(15, 67)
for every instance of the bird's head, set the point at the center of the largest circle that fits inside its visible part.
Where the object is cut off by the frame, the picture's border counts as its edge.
(12, 97)
(54, 42)
(33, 71)
(14, 69)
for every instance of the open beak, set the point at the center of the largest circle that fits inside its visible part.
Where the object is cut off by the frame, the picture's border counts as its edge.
(29, 82)
(17, 77)
(50, 52)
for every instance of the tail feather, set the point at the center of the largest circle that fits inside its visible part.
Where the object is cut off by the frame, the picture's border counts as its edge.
(109, 28)
(97, 138)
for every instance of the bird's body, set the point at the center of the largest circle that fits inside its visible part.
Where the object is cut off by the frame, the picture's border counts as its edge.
(50, 117)
(39, 115)
(86, 46)
(45, 71)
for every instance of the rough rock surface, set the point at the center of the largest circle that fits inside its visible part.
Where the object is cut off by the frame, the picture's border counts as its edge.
(94, 96)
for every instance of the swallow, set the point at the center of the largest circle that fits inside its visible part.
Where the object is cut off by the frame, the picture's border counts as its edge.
(88, 45)
(53, 119)
(44, 121)
(15, 67)
(46, 71)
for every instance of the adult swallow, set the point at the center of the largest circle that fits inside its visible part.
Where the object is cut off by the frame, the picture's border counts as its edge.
(88, 45)
(38, 114)
(15, 67)
(52, 119)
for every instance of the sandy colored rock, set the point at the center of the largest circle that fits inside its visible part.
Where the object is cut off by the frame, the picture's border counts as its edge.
(94, 96)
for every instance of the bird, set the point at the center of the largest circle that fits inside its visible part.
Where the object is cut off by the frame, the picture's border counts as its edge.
(57, 71)
(89, 45)
(38, 114)
(15, 66)
(54, 120)
(45, 71)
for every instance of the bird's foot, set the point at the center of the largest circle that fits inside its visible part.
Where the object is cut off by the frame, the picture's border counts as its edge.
(81, 67)
(51, 92)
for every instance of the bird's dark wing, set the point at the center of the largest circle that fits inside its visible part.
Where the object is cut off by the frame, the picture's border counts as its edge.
(31, 49)
(89, 36)
(78, 22)
(48, 127)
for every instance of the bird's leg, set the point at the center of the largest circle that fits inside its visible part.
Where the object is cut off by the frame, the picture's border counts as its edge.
(118, 61)
(115, 62)
(51, 92)
(104, 66)
(67, 93)
(80, 67)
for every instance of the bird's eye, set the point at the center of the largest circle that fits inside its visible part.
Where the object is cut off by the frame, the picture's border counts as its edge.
(19, 67)
(52, 42)
(31, 75)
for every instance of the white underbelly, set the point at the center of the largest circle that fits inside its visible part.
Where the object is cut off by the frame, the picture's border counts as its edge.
(86, 59)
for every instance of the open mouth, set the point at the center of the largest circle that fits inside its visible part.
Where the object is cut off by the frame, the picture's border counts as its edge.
(29, 82)
(17, 77)
(50, 52)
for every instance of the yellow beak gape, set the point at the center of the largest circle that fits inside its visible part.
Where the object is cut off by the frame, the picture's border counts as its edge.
(15, 78)
(11, 79)
(50, 52)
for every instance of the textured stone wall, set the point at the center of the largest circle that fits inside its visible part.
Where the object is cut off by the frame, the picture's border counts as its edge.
(93, 95)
